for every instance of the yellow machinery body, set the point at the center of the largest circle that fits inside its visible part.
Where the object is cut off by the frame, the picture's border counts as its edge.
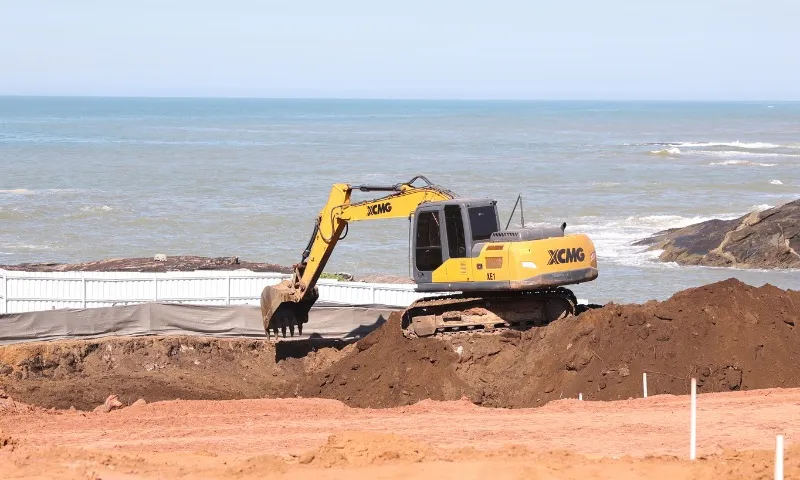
(492, 277)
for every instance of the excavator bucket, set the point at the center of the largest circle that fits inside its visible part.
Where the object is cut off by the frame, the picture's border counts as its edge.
(280, 311)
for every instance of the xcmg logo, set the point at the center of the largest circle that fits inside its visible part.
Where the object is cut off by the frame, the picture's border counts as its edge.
(566, 255)
(379, 208)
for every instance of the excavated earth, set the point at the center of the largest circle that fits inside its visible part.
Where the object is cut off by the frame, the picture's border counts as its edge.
(729, 335)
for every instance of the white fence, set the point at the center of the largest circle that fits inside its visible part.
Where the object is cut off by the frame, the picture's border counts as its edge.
(28, 291)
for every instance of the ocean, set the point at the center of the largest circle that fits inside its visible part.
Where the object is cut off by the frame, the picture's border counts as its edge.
(90, 178)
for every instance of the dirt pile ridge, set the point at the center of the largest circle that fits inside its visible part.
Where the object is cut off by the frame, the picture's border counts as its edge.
(729, 335)
(385, 369)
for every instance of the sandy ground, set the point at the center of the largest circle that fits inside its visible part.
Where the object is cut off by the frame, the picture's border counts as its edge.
(312, 438)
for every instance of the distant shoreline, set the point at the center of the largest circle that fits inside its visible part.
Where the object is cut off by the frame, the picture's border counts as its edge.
(188, 263)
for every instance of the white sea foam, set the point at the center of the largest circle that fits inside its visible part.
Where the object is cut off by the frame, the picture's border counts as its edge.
(605, 184)
(775, 182)
(18, 191)
(671, 151)
(761, 207)
(736, 144)
(743, 162)
(735, 154)
(614, 238)
(27, 247)
(97, 208)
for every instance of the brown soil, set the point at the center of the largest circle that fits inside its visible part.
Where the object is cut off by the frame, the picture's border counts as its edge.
(82, 374)
(728, 335)
(172, 264)
(386, 369)
(313, 438)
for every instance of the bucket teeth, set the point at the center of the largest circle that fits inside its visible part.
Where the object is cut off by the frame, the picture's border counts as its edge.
(281, 312)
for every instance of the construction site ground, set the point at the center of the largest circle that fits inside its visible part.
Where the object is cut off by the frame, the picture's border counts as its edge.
(459, 406)
(315, 438)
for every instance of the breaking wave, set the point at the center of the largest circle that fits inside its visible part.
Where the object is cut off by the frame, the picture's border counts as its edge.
(734, 153)
(735, 144)
(614, 238)
(17, 191)
(775, 182)
(666, 152)
(743, 162)
(97, 208)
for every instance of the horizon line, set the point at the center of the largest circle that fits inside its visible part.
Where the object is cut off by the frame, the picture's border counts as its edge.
(413, 99)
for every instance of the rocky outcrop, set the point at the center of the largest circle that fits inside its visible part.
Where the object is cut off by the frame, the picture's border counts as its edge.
(768, 239)
(159, 263)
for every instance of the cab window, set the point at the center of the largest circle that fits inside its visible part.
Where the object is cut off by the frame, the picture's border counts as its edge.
(483, 222)
(428, 242)
(456, 243)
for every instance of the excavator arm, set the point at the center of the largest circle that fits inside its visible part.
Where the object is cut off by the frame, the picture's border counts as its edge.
(287, 304)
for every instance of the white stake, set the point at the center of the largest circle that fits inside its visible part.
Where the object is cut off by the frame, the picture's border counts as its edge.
(779, 457)
(693, 427)
(580, 396)
(644, 383)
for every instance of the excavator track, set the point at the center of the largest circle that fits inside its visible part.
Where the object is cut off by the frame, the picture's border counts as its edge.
(488, 312)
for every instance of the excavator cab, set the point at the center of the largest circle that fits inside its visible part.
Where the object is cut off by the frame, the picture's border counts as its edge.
(450, 229)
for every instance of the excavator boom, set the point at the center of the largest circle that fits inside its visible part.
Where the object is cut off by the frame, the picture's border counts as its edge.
(286, 305)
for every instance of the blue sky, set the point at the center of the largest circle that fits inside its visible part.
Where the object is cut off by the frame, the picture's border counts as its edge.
(579, 49)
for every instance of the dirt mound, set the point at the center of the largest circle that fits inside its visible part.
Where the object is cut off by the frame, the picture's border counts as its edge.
(366, 448)
(728, 335)
(9, 406)
(385, 369)
(84, 373)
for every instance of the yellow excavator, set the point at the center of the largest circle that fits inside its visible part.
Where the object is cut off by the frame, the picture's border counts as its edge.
(483, 277)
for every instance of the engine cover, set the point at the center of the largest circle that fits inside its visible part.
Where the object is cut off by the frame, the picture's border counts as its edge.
(527, 234)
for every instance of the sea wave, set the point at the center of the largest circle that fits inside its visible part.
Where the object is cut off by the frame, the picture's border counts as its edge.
(735, 144)
(17, 191)
(743, 162)
(775, 182)
(614, 238)
(672, 151)
(96, 208)
(735, 153)
(28, 247)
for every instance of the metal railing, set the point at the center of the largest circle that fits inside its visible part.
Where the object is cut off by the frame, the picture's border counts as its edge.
(35, 291)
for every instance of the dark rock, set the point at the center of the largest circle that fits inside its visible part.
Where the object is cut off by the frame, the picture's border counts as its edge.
(171, 264)
(768, 239)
